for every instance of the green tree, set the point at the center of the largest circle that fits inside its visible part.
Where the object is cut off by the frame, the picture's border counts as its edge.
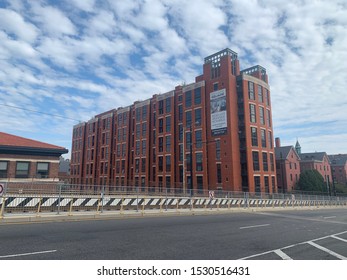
(340, 188)
(311, 180)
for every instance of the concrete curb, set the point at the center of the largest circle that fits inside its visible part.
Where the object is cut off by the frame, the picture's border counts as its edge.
(115, 215)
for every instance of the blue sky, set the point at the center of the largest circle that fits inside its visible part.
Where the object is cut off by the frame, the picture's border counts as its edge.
(78, 58)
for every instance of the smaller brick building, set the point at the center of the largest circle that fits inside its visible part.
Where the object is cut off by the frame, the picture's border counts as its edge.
(318, 161)
(339, 168)
(23, 159)
(287, 167)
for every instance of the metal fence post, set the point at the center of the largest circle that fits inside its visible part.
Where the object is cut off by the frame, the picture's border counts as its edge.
(2, 207)
(137, 199)
(165, 199)
(59, 198)
(102, 198)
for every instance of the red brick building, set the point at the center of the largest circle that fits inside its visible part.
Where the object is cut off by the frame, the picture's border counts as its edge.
(339, 168)
(23, 159)
(319, 161)
(215, 133)
(287, 167)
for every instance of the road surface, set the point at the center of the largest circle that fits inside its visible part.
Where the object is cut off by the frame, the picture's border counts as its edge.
(300, 234)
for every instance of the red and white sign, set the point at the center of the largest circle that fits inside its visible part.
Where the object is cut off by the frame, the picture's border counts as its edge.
(211, 194)
(2, 189)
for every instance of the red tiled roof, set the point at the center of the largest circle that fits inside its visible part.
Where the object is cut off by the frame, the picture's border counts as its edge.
(17, 141)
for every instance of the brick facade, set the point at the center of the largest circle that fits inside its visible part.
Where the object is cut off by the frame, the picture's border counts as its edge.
(195, 136)
(42, 159)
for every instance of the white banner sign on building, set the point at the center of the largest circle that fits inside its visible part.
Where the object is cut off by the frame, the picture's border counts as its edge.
(218, 106)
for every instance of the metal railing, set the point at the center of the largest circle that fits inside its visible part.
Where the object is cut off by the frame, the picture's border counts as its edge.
(60, 197)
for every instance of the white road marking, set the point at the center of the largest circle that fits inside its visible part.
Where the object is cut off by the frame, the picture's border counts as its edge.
(338, 238)
(283, 255)
(27, 254)
(296, 244)
(264, 225)
(327, 250)
(331, 217)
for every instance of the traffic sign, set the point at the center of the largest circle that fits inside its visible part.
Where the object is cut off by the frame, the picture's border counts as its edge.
(211, 194)
(2, 189)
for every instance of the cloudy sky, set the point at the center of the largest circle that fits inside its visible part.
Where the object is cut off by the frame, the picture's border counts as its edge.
(78, 58)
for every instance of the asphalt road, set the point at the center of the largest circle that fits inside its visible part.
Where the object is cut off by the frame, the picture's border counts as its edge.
(301, 234)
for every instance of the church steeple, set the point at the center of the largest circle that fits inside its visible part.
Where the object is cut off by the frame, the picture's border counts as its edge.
(297, 147)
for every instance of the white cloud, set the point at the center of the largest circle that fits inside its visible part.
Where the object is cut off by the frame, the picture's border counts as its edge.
(80, 58)
(84, 5)
(13, 23)
(52, 20)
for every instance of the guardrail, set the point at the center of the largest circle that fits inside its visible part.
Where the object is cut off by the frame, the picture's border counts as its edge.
(100, 203)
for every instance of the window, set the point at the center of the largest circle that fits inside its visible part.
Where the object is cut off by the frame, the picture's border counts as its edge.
(253, 117)
(197, 116)
(168, 124)
(257, 184)
(251, 91)
(138, 114)
(188, 118)
(197, 96)
(168, 143)
(168, 105)
(117, 166)
(144, 113)
(180, 113)
(144, 147)
(22, 169)
(125, 118)
(254, 135)
(168, 182)
(3, 169)
(180, 132)
(198, 139)
(265, 163)
(217, 149)
(161, 125)
(161, 107)
(124, 134)
(181, 173)
(123, 149)
(188, 98)
(161, 144)
(137, 165)
(138, 131)
(168, 163)
(200, 183)
(180, 97)
(263, 138)
(260, 94)
(219, 173)
(261, 115)
(199, 166)
(215, 86)
(137, 148)
(160, 164)
(266, 183)
(188, 138)
(144, 129)
(143, 165)
(255, 156)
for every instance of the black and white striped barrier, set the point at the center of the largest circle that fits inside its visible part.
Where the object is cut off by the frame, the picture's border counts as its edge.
(47, 203)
